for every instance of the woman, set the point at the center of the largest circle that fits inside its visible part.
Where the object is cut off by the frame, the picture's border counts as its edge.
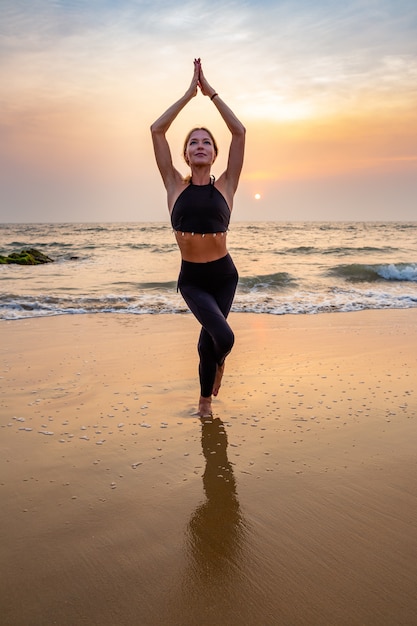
(200, 208)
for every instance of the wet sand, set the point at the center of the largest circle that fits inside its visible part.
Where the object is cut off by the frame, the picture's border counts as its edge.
(296, 504)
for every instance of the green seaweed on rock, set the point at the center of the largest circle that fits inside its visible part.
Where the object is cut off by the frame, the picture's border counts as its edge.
(28, 256)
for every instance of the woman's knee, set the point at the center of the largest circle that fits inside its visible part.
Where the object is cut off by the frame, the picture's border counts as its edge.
(217, 344)
(224, 344)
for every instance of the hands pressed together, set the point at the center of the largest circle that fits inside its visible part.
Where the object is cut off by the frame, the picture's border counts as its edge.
(199, 80)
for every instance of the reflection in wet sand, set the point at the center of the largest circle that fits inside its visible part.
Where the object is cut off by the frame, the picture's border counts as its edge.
(214, 582)
(216, 530)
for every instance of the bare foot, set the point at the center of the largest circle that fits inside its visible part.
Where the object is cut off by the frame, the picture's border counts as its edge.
(204, 407)
(218, 379)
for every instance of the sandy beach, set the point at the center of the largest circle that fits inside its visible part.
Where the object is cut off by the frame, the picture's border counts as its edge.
(296, 504)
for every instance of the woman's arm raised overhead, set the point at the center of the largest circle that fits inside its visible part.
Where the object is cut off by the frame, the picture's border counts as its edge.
(237, 145)
(159, 128)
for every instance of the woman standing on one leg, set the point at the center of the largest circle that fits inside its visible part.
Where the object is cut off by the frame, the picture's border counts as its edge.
(200, 208)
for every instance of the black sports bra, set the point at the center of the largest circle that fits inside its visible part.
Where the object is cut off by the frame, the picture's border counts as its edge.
(200, 209)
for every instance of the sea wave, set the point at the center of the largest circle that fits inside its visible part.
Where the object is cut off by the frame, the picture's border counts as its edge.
(156, 303)
(357, 272)
(270, 282)
(337, 250)
(20, 307)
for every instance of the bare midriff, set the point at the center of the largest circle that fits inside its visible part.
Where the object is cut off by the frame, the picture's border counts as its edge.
(197, 248)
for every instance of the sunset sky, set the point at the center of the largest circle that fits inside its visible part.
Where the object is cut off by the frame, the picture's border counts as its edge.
(327, 91)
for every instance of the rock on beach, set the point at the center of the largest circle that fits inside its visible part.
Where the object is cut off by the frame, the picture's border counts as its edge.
(28, 256)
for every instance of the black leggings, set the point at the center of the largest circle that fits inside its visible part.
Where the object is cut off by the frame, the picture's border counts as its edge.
(209, 289)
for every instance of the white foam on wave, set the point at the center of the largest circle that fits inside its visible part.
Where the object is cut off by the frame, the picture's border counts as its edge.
(398, 272)
(343, 299)
(336, 300)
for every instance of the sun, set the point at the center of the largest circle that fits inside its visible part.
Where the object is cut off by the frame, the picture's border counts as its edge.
(257, 196)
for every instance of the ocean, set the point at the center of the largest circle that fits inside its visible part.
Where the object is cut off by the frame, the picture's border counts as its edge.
(284, 268)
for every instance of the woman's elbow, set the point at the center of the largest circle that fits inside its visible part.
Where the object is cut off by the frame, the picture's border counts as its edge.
(157, 129)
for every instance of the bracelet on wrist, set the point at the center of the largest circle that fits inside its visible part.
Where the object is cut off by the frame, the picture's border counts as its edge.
(214, 95)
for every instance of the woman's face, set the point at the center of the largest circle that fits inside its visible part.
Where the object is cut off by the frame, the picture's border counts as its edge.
(200, 149)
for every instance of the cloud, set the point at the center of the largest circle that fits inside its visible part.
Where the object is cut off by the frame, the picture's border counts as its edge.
(312, 54)
(85, 78)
